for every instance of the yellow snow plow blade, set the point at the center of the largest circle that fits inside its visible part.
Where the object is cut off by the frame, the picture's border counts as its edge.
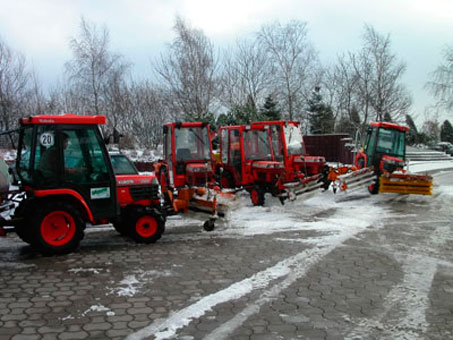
(406, 184)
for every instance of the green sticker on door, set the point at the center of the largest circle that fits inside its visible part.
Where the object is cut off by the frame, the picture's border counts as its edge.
(98, 193)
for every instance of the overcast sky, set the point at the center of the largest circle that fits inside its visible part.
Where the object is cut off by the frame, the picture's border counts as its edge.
(139, 30)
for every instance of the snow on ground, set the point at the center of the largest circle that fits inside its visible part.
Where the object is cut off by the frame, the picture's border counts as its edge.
(351, 217)
(432, 166)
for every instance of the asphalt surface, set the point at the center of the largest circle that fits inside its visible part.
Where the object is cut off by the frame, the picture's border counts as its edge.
(363, 267)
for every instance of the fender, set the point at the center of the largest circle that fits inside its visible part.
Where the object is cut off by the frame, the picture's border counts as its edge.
(70, 192)
(363, 155)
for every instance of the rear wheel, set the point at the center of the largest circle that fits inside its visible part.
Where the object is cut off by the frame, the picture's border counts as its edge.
(257, 196)
(146, 228)
(374, 188)
(226, 180)
(120, 227)
(57, 229)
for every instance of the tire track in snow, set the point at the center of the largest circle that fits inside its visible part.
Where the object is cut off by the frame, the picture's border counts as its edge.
(350, 222)
(404, 315)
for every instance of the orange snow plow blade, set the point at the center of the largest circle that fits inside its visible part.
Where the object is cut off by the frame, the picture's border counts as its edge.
(406, 184)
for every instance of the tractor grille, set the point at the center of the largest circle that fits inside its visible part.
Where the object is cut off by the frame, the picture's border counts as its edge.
(145, 192)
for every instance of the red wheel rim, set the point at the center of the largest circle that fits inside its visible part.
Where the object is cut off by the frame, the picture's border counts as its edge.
(146, 226)
(254, 195)
(58, 228)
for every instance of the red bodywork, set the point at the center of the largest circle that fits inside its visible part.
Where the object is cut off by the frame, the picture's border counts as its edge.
(186, 172)
(136, 189)
(284, 164)
(246, 157)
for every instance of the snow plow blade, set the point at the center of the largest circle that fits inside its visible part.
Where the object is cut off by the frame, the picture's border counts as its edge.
(406, 184)
(217, 203)
(305, 190)
(357, 179)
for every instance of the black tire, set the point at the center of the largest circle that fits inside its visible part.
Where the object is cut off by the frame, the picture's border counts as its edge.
(57, 228)
(209, 225)
(121, 228)
(257, 195)
(226, 180)
(23, 229)
(373, 189)
(145, 227)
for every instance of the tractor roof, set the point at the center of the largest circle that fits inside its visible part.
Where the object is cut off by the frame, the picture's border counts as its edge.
(387, 125)
(67, 118)
(275, 122)
(187, 124)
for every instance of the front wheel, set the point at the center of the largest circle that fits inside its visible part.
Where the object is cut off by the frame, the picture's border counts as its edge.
(209, 225)
(373, 189)
(146, 228)
(257, 196)
(57, 229)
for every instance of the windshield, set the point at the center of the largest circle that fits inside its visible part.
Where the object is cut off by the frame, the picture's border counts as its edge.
(122, 165)
(192, 144)
(293, 138)
(391, 142)
(257, 145)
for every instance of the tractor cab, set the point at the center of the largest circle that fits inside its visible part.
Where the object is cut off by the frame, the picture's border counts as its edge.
(385, 147)
(187, 154)
(68, 152)
(66, 179)
(296, 153)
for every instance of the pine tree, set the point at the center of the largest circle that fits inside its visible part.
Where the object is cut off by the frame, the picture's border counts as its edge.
(446, 132)
(270, 111)
(412, 134)
(320, 114)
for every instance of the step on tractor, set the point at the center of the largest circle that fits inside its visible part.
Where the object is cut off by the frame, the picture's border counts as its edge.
(380, 165)
(266, 157)
(65, 181)
(186, 172)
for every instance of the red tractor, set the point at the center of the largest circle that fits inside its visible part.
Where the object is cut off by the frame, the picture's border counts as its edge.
(186, 172)
(265, 157)
(66, 180)
(380, 164)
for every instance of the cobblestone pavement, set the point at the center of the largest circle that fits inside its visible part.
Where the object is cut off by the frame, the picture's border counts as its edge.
(363, 267)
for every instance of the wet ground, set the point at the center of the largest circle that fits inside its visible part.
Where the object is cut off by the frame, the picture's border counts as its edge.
(334, 267)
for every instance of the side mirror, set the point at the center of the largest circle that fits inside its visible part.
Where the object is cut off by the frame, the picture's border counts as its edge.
(165, 129)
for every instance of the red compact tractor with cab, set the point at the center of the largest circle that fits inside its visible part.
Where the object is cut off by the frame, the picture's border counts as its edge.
(66, 180)
(380, 164)
(266, 157)
(186, 172)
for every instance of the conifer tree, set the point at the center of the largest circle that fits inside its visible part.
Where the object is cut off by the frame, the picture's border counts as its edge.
(321, 115)
(446, 132)
(270, 111)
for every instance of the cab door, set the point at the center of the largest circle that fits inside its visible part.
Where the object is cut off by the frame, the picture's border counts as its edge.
(87, 169)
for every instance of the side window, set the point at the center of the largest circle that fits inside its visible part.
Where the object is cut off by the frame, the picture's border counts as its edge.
(46, 153)
(235, 147)
(84, 161)
(167, 145)
(25, 155)
(277, 145)
(224, 145)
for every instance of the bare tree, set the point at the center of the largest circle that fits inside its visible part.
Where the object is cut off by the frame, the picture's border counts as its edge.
(92, 66)
(148, 112)
(294, 60)
(188, 74)
(14, 86)
(246, 75)
(380, 76)
(441, 83)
